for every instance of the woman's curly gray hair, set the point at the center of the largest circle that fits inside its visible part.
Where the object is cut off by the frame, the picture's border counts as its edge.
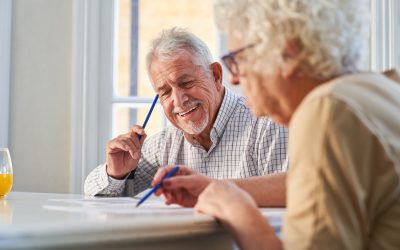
(332, 33)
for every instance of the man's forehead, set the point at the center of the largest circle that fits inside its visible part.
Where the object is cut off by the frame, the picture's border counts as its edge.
(174, 71)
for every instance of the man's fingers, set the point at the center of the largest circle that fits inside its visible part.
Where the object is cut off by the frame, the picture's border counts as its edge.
(119, 144)
(134, 139)
(125, 144)
(137, 131)
(142, 138)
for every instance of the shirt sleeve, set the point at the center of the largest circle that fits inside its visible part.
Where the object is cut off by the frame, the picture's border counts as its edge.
(148, 164)
(326, 189)
(272, 148)
(99, 183)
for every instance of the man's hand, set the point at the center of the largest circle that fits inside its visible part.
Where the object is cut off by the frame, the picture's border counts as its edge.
(123, 152)
(183, 188)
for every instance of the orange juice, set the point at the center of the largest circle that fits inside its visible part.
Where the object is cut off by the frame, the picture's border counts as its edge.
(6, 181)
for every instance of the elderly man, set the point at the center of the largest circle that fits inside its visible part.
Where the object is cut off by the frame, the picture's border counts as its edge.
(296, 61)
(214, 132)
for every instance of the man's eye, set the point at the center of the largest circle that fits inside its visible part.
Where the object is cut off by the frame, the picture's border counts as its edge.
(165, 93)
(187, 84)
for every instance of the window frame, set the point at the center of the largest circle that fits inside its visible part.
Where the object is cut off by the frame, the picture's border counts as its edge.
(132, 101)
(93, 95)
(385, 35)
(91, 90)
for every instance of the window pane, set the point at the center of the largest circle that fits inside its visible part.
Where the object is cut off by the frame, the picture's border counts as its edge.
(141, 21)
(127, 115)
(123, 76)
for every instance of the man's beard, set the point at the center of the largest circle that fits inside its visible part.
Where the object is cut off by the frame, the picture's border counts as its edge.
(193, 128)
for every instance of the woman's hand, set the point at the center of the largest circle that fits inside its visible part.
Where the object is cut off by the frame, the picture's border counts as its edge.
(237, 210)
(223, 199)
(183, 188)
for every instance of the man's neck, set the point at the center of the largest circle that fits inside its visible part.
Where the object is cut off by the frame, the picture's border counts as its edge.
(203, 140)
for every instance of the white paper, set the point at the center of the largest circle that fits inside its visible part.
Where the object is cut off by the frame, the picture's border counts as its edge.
(274, 216)
(115, 205)
(153, 206)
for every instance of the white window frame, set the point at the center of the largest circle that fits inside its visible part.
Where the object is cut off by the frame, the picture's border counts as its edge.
(91, 100)
(385, 34)
(5, 66)
(92, 89)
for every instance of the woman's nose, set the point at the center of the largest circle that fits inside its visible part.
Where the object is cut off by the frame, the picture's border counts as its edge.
(234, 79)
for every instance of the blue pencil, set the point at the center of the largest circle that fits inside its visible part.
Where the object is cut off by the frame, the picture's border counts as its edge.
(148, 114)
(171, 173)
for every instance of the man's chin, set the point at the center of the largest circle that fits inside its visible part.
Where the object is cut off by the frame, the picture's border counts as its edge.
(192, 129)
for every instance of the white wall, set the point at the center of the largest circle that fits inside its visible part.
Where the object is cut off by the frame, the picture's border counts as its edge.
(5, 48)
(41, 75)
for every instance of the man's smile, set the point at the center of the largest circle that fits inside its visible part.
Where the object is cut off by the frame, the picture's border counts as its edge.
(184, 113)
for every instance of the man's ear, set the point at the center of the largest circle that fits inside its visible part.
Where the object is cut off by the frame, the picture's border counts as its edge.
(290, 57)
(216, 70)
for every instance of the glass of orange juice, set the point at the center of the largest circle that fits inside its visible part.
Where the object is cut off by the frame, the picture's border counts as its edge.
(6, 173)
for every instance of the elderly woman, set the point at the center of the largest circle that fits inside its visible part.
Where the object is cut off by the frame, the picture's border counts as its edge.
(297, 62)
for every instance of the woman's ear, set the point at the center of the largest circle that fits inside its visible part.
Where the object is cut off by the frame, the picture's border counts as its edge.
(289, 69)
(216, 71)
(290, 57)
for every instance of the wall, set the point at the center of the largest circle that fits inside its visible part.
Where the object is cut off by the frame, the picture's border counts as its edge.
(5, 45)
(41, 73)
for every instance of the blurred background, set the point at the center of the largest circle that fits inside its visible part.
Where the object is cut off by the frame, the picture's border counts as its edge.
(73, 75)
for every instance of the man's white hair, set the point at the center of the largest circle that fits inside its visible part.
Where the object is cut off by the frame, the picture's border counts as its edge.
(172, 41)
(332, 34)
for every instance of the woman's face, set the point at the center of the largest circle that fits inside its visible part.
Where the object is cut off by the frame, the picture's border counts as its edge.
(265, 93)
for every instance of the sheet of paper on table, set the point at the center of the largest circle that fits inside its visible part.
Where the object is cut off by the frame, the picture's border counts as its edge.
(126, 205)
(114, 205)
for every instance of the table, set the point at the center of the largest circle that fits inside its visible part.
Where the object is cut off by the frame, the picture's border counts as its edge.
(65, 221)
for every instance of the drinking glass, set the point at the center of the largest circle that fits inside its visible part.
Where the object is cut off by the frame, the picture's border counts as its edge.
(6, 173)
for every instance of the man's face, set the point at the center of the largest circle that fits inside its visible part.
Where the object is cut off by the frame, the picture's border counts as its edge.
(189, 95)
(263, 92)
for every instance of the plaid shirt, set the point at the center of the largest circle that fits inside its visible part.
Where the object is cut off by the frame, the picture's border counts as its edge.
(242, 146)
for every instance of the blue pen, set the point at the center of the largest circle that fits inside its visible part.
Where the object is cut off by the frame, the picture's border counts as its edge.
(171, 173)
(148, 115)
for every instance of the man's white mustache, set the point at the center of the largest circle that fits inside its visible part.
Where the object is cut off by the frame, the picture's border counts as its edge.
(186, 106)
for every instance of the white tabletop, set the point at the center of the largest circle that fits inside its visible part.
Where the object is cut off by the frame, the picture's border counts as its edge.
(63, 221)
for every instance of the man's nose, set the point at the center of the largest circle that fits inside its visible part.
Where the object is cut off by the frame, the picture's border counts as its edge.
(179, 97)
(234, 79)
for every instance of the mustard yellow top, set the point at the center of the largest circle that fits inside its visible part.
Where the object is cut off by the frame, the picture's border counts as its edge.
(344, 177)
